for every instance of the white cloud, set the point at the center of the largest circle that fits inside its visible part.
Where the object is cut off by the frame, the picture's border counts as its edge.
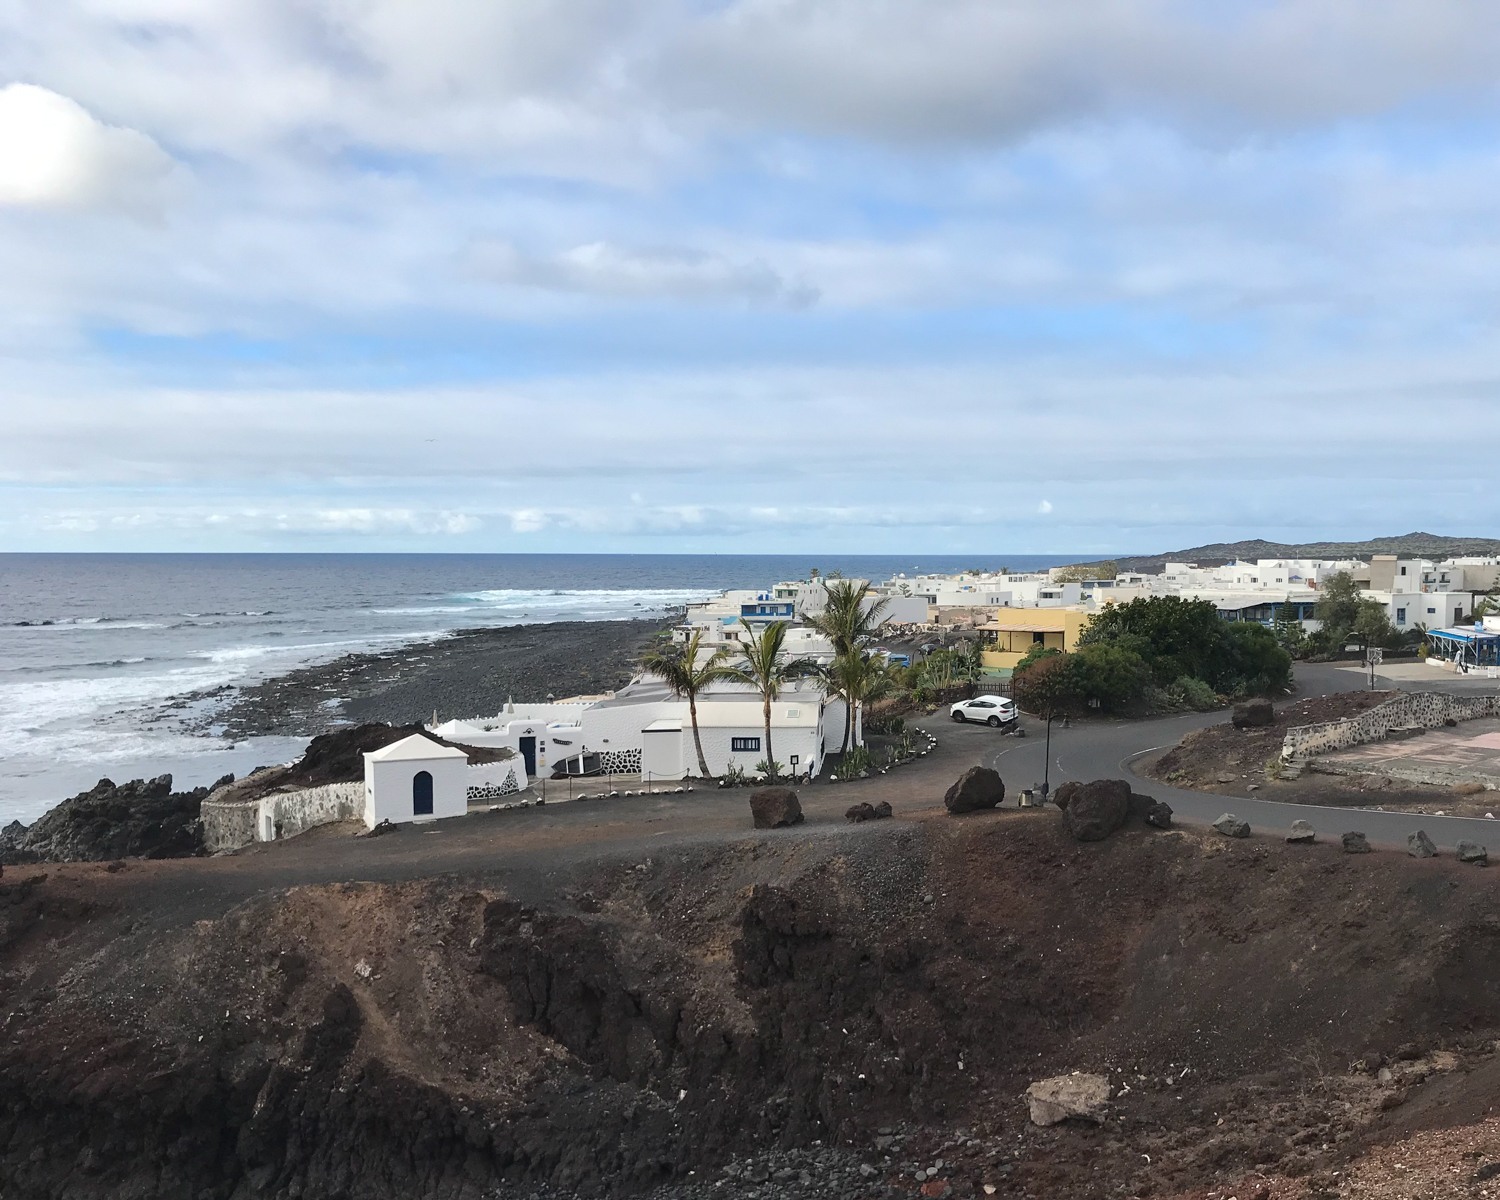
(1044, 507)
(53, 154)
(602, 269)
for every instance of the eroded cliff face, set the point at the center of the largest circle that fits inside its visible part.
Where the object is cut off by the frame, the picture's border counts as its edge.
(617, 1026)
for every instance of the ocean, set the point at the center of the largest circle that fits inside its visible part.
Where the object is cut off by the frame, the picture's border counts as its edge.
(93, 646)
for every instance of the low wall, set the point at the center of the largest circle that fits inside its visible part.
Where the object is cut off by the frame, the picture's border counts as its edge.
(1411, 710)
(228, 825)
(490, 781)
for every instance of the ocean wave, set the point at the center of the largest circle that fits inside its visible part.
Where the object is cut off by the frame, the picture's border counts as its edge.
(85, 623)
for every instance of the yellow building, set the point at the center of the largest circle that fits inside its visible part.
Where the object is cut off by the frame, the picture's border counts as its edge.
(1016, 630)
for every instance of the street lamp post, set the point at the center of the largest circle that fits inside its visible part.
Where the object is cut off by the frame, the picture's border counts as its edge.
(1047, 758)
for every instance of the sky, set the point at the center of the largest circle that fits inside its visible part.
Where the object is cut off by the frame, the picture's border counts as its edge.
(746, 275)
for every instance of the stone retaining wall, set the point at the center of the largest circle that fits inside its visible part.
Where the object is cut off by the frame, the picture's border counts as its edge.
(228, 825)
(1411, 710)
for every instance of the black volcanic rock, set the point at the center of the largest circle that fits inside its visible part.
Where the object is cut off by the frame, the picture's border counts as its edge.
(144, 818)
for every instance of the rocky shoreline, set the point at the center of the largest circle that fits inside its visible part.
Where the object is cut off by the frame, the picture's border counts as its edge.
(465, 674)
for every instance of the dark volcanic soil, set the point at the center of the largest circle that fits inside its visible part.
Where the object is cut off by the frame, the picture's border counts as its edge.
(812, 1012)
(468, 674)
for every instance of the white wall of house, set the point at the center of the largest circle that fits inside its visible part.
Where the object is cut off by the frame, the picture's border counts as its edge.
(390, 783)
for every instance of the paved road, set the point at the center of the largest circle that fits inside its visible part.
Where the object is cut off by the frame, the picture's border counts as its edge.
(1107, 750)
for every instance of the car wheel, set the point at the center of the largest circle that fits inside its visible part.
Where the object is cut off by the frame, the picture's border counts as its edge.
(959, 717)
(994, 722)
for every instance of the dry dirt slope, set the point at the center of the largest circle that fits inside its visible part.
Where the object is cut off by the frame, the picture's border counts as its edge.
(623, 1024)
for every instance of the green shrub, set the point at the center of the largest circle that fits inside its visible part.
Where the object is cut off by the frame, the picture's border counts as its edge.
(1192, 694)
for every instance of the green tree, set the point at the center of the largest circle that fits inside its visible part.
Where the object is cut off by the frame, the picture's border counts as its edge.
(1047, 688)
(849, 620)
(1288, 631)
(1039, 650)
(1372, 627)
(1258, 665)
(1116, 677)
(851, 615)
(1337, 609)
(680, 668)
(1176, 637)
(860, 678)
(764, 666)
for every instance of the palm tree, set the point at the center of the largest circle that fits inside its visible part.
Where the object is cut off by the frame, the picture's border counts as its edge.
(849, 620)
(859, 678)
(685, 677)
(763, 665)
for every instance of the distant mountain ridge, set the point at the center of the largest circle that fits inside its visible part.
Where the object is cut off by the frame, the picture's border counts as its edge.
(1407, 545)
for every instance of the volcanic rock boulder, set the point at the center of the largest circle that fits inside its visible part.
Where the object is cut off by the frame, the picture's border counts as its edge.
(1473, 852)
(1079, 1097)
(1158, 814)
(1302, 834)
(882, 810)
(1065, 793)
(860, 812)
(775, 808)
(1231, 826)
(977, 788)
(1254, 714)
(144, 818)
(1419, 845)
(1097, 809)
(1355, 843)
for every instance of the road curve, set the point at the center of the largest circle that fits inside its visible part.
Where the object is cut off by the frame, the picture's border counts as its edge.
(1107, 750)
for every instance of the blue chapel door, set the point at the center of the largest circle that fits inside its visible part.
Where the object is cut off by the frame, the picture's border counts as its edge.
(421, 794)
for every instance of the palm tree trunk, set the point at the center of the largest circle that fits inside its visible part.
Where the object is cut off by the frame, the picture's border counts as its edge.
(697, 741)
(848, 722)
(770, 758)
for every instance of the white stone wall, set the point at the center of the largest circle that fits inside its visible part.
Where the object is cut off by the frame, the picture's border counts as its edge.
(231, 825)
(1412, 710)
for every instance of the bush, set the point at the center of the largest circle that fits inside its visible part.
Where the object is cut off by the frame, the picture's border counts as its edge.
(1256, 664)
(1117, 678)
(1036, 654)
(856, 761)
(1192, 695)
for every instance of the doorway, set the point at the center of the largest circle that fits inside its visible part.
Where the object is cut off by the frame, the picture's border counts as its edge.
(421, 794)
(267, 828)
(528, 753)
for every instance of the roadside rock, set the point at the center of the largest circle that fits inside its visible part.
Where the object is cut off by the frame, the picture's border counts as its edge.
(977, 788)
(1231, 826)
(857, 813)
(1254, 714)
(1355, 843)
(1302, 833)
(1068, 1097)
(1159, 814)
(140, 819)
(882, 810)
(775, 808)
(1473, 852)
(1065, 793)
(1419, 845)
(1097, 809)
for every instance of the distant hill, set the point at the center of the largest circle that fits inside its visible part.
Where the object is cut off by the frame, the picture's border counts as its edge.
(1407, 545)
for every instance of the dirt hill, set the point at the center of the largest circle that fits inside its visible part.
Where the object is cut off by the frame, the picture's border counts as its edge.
(820, 1012)
(1413, 545)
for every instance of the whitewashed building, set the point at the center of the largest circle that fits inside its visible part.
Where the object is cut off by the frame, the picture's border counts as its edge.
(415, 779)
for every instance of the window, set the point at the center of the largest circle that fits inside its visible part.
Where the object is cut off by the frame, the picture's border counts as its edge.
(1403, 570)
(1430, 611)
(1401, 616)
(745, 745)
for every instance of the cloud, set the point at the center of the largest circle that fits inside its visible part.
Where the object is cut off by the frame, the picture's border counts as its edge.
(54, 154)
(1044, 507)
(602, 269)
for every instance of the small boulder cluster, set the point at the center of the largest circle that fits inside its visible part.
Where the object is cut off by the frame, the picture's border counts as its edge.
(863, 811)
(1093, 811)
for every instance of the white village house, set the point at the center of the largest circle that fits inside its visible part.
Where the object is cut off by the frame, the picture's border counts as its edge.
(415, 779)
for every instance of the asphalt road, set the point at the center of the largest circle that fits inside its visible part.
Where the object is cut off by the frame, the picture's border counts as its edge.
(1107, 750)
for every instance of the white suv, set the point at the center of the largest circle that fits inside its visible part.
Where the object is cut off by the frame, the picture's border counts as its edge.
(992, 710)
